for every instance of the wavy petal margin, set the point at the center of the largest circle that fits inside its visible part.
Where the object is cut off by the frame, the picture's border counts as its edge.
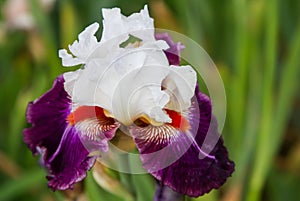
(190, 174)
(63, 145)
(47, 115)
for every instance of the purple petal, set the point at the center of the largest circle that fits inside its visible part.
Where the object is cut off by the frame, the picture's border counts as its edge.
(173, 53)
(175, 158)
(64, 147)
(70, 162)
(48, 118)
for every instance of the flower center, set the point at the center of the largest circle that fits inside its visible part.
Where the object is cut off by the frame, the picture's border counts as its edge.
(178, 121)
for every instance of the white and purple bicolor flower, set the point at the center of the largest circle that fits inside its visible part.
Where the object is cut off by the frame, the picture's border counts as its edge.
(139, 85)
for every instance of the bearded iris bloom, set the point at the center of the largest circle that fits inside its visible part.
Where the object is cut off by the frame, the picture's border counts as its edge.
(138, 84)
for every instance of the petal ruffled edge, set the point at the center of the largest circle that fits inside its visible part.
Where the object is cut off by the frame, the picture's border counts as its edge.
(47, 115)
(82, 48)
(70, 162)
(116, 25)
(59, 143)
(191, 174)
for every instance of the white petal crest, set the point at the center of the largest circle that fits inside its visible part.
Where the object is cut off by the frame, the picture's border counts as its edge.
(82, 48)
(138, 24)
(130, 82)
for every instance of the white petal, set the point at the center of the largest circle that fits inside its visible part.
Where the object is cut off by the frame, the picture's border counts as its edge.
(70, 79)
(128, 85)
(129, 82)
(81, 49)
(180, 85)
(159, 44)
(68, 59)
(138, 24)
(140, 94)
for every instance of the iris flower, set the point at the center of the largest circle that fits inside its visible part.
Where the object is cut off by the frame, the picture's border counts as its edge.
(130, 79)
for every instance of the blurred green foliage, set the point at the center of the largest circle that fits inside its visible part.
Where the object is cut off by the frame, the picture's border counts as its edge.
(256, 46)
